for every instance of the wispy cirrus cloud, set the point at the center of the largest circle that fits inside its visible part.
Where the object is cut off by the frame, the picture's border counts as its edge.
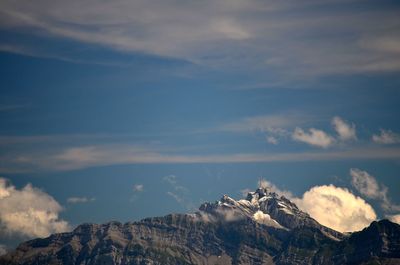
(368, 186)
(271, 123)
(265, 35)
(103, 155)
(178, 192)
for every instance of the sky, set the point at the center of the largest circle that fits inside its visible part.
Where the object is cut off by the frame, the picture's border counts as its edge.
(123, 110)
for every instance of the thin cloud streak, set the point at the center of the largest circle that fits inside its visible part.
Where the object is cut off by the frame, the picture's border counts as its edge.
(93, 156)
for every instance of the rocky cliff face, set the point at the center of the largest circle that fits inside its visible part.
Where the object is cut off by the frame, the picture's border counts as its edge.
(262, 229)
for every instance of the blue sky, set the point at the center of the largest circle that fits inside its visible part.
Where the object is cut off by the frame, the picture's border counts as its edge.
(130, 109)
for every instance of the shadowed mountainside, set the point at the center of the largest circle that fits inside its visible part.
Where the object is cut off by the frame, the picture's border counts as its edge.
(265, 228)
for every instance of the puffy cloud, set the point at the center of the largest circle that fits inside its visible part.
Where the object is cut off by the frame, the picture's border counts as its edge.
(138, 187)
(28, 212)
(336, 208)
(386, 137)
(313, 137)
(80, 200)
(344, 130)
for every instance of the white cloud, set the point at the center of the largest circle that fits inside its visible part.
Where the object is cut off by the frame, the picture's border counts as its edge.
(28, 212)
(394, 218)
(313, 137)
(80, 200)
(344, 130)
(138, 187)
(336, 208)
(272, 140)
(386, 137)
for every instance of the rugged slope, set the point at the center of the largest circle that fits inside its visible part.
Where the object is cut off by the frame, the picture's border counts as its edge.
(262, 229)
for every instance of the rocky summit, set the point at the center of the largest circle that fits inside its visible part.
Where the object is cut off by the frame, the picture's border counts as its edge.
(264, 228)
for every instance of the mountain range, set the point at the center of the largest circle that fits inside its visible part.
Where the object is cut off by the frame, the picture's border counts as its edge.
(263, 228)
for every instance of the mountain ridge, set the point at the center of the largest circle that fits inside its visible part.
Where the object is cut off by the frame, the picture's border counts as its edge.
(264, 228)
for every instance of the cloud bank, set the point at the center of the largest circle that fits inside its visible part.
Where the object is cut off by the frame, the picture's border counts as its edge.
(28, 212)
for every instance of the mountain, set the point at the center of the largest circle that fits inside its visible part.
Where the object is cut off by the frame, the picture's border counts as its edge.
(264, 228)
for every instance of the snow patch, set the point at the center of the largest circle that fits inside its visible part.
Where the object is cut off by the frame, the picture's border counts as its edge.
(264, 218)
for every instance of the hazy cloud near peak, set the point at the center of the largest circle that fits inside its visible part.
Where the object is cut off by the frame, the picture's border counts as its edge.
(263, 183)
(28, 212)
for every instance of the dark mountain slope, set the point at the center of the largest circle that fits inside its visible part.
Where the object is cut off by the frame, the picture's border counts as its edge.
(263, 229)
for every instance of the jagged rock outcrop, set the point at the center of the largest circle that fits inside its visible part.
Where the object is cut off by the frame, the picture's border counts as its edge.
(262, 229)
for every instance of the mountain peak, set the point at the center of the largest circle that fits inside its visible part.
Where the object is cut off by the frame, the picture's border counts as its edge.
(264, 228)
(265, 207)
